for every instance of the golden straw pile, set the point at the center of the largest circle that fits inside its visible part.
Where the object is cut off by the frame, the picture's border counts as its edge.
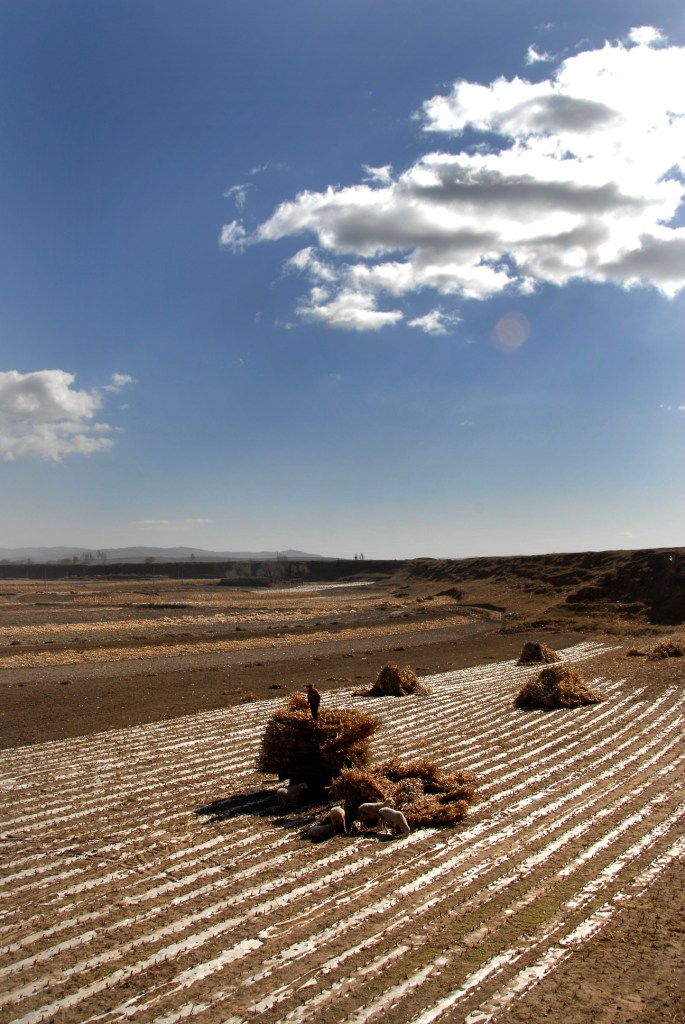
(425, 794)
(393, 681)
(536, 654)
(558, 687)
(300, 748)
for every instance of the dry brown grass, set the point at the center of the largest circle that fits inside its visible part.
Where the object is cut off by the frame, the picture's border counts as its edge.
(297, 747)
(533, 653)
(558, 687)
(667, 649)
(393, 681)
(425, 794)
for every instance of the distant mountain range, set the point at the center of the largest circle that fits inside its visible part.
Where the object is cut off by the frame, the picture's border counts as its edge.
(139, 554)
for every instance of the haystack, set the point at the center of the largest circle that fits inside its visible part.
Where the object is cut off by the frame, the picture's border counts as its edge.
(558, 687)
(302, 749)
(667, 649)
(533, 653)
(425, 794)
(393, 681)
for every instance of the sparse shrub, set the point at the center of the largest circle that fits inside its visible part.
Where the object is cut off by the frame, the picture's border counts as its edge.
(667, 649)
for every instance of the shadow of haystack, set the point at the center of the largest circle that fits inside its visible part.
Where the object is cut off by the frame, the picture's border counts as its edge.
(533, 653)
(427, 796)
(393, 681)
(302, 749)
(258, 802)
(558, 687)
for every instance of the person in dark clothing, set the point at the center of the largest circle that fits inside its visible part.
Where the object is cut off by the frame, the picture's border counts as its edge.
(313, 699)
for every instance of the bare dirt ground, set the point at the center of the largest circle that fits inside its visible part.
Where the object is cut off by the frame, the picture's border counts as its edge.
(128, 708)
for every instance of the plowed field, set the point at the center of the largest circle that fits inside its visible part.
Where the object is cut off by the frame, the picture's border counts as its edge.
(120, 902)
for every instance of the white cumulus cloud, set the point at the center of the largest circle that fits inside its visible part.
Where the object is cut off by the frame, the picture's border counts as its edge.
(583, 181)
(43, 416)
(646, 34)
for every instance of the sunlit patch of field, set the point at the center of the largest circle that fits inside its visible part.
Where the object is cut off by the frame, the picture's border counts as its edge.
(119, 902)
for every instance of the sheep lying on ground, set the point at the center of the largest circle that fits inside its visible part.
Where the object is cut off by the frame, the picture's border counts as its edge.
(288, 796)
(368, 813)
(336, 817)
(394, 818)
(323, 831)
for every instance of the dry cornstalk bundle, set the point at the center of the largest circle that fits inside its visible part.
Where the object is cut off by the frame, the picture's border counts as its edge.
(667, 649)
(300, 748)
(426, 795)
(533, 653)
(393, 681)
(355, 786)
(558, 687)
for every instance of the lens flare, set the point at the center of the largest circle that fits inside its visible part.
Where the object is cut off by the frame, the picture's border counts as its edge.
(511, 330)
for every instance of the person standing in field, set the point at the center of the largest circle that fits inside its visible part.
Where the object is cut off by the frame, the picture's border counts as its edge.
(313, 699)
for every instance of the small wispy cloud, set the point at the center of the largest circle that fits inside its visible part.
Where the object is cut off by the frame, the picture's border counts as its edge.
(534, 56)
(118, 381)
(436, 322)
(233, 236)
(171, 524)
(238, 193)
(381, 175)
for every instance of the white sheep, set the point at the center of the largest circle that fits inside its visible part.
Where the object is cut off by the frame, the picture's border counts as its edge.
(395, 819)
(336, 816)
(289, 795)
(368, 813)
(322, 831)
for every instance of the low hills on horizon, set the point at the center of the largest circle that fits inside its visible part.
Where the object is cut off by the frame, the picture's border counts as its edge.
(141, 553)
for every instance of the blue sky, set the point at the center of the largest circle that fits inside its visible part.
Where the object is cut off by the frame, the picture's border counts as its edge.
(384, 276)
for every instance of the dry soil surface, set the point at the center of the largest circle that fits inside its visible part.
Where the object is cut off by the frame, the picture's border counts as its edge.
(135, 887)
